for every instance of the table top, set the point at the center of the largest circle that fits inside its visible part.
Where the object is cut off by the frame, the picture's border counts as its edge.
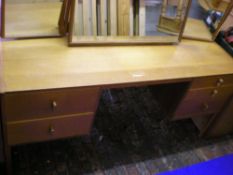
(50, 63)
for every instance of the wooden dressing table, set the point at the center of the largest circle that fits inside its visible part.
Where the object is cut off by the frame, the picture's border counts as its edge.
(50, 91)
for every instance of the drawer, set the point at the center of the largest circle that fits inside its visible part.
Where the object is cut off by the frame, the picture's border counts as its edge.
(49, 129)
(215, 81)
(39, 104)
(203, 101)
(209, 94)
(188, 109)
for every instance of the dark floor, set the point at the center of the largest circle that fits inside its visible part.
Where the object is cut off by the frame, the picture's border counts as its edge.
(129, 137)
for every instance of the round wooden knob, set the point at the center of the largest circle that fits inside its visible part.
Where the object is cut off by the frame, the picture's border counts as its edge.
(54, 104)
(205, 106)
(51, 130)
(215, 92)
(220, 81)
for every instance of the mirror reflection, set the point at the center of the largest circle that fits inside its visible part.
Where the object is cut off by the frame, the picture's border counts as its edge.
(126, 20)
(164, 16)
(31, 18)
(205, 19)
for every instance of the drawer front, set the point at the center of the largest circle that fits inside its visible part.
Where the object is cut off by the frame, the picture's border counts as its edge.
(223, 123)
(215, 81)
(38, 104)
(49, 129)
(209, 94)
(198, 102)
(188, 109)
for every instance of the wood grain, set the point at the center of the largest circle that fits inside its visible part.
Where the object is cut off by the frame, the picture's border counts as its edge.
(223, 123)
(40, 104)
(26, 20)
(212, 82)
(94, 17)
(142, 18)
(104, 17)
(87, 17)
(49, 64)
(113, 17)
(206, 100)
(123, 17)
(78, 18)
(192, 26)
(62, 127)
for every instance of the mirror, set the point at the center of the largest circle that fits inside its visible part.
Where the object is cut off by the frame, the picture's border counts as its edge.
(95, 22)
(30, 18)
(206, 18)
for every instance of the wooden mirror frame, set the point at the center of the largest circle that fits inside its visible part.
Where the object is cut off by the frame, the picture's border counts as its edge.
(4, 32)
(123, 40)
(2, 18)
(64, 18)
(223, 20)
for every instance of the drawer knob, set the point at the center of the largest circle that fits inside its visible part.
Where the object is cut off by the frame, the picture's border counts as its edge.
(51, 130)
(215, 92)
(54, 104)
(205, 106)
(220, 81)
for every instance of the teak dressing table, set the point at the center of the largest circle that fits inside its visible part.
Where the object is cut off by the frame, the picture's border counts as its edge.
(50, 91)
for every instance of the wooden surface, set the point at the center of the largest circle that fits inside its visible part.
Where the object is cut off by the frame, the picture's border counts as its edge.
(124, 17)
(49, 63)
(229, 21)
(199, 102)
(197, 29)
(212, 82)
(49, 128)
(22, 106)
(1, 138)
(134, 142)
(207, 5)
(205, 96)
(121, 40)
(32, 19)
(222, 124)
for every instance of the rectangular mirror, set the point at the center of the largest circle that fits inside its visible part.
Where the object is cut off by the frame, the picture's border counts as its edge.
(206, 18)
(96, 22)
(30, 18)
